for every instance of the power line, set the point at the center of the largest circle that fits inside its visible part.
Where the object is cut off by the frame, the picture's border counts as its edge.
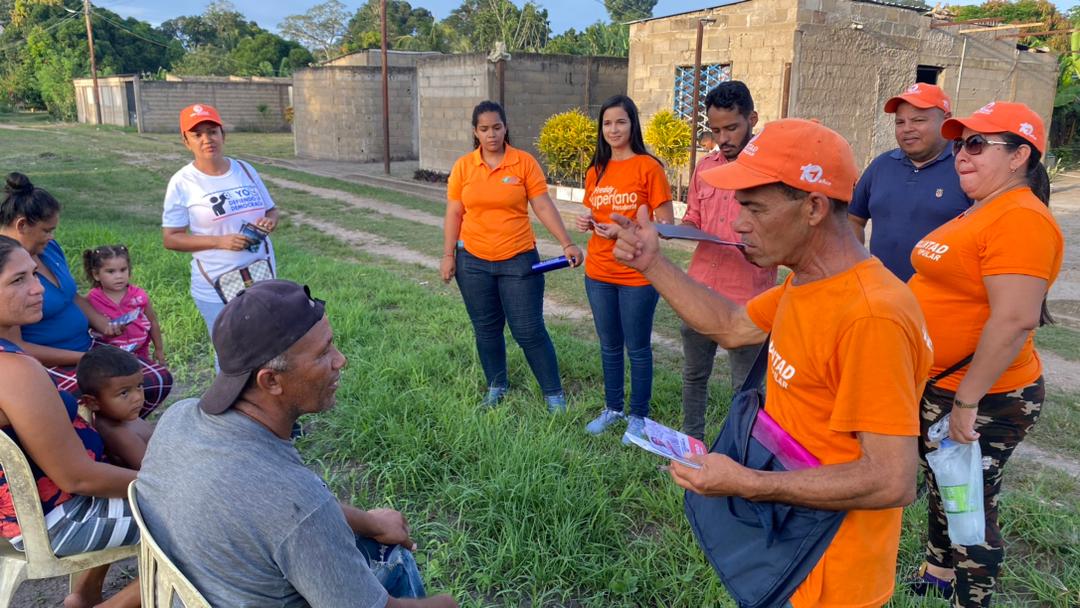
(125, 29)
(49, 28)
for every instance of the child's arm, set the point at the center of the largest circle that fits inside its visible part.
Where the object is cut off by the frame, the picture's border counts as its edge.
(125, 441)
(155, 333)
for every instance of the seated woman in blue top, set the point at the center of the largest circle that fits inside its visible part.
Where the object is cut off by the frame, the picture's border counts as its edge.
(30, 216)
(81, 496)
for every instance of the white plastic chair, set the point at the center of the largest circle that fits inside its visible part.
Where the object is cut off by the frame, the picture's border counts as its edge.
(160, 581)
(37, 561)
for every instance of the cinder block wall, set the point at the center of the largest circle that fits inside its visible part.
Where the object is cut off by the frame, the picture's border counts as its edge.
(538, 86)
(851, 57)
(755, 37)
(338, 113)
(238, 102)
(448, 88)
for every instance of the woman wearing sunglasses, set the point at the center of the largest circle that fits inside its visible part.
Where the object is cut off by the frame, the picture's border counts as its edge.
(981, 280)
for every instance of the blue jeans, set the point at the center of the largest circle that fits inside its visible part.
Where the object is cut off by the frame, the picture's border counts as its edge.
(504, 293)
(210, 312)
(624, 317)
(393, 566)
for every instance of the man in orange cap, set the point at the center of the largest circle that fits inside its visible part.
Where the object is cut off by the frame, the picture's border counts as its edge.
(848, 356)
(913, 189)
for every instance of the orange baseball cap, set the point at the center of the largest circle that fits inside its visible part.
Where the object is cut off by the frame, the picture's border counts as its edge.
(1001, 117)
(803, 154)
(922, 96)
(194, 114)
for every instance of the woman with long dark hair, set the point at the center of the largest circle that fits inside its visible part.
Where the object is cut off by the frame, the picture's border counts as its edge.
(489, 247)
(981, 280)
(622, 178)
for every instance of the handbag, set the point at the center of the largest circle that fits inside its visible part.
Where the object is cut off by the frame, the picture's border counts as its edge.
(229, 284)
(762, 551)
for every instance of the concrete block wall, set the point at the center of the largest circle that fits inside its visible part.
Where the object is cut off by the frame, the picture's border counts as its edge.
(239, 104)
(448, 88)
(850, 57)
(538, 86)
(754, 37)
(338, 113)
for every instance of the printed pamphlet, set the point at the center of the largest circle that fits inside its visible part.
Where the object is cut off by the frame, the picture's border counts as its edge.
(668, 443)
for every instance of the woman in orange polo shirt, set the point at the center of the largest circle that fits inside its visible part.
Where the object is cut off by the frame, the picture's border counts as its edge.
(622, 178)
(981, 280)
(489, 194)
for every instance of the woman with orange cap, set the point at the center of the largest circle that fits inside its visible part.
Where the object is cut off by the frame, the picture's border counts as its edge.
(208, 203)
(983, 292)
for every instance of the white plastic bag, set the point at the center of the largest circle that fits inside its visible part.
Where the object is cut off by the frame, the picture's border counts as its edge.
(958, 470)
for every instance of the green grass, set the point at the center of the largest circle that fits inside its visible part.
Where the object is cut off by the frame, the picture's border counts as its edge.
(511, 507)
(1060, 340)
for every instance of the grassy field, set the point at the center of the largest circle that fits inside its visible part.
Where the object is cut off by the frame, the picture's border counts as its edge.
(511, 507)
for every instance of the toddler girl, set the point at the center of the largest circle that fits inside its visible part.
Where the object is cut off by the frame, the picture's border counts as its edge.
(109, 269)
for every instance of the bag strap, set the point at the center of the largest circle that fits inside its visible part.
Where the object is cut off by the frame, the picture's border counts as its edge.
(266, 245)
(952, 369)
(757, 372)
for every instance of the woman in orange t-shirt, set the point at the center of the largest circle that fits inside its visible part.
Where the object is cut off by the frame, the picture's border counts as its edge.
(981, 280)
(489, 247)
(623, 177)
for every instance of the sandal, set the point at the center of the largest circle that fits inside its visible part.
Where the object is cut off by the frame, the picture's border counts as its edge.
(926, 584)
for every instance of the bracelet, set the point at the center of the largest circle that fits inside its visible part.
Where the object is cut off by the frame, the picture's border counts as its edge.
(448, 255)
(564, 247)
(964, 406)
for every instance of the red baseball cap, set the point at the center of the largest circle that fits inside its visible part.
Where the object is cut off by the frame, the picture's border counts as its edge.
(1001, 117)
(922, 96)
(192, 115)
(803, 154)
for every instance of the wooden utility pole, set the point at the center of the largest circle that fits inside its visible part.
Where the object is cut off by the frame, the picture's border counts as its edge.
(697, 95)
(385, 92)
(93, 62)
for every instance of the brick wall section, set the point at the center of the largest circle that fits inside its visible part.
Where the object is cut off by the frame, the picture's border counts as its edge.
(536, 87)
(843, 76)
(238, 103)
(338, 113)
(754, 37)
(448, 88)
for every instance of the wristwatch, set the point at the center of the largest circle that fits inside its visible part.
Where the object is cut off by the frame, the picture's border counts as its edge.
(964, 406)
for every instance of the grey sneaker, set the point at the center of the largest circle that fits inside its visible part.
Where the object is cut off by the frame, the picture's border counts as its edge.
(556, 403)
(494, 395)
(635, 426)
(606, 418)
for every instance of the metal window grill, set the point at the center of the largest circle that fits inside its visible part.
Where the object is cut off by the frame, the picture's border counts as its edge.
(711, 75)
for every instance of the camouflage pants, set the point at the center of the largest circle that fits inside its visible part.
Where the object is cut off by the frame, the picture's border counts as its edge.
(1003, 421)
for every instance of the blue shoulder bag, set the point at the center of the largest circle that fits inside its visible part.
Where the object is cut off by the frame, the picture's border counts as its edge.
(762, 551)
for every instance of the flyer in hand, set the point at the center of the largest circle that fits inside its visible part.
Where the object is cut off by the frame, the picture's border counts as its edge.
(128, 317)
(668, 443)
(677, 231)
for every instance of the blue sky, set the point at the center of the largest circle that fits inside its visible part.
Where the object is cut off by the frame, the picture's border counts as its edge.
(563, 14)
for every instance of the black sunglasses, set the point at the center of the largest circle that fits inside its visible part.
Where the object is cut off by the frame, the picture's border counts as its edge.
(974, 145)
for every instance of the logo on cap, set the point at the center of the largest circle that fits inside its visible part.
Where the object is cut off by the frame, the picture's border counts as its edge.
(987, 109)
(751, 148)
(812, 174)
(945, 105)
(196, 110)
(914, 88)
(1027, 129)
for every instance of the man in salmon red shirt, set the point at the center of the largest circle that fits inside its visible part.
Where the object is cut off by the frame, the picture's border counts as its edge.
(729, 109)
(848, 356)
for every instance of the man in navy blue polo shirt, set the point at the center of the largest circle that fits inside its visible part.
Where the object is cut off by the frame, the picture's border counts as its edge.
(909, 191)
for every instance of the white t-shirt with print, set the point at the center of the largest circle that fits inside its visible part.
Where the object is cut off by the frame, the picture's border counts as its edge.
(215, 205)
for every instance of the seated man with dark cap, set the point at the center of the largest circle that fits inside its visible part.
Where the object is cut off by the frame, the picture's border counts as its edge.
(227, 496)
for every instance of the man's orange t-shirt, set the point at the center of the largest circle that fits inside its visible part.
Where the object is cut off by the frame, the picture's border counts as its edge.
(848, 354)
(1012, 234)
(625, 186)
(496, 222)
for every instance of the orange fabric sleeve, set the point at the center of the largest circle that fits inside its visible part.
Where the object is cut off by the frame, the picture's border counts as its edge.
(535, 182)
(659, 188)
(1021, 241)
(762, 308)
(456, 181)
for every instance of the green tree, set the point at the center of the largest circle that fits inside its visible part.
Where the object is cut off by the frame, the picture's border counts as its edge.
(206, 60)
(1022, 11)
(622, 11)
(482, 23)
(258, 55)
(320, 29)
(603, 39)
(567, 143)
(407, 28)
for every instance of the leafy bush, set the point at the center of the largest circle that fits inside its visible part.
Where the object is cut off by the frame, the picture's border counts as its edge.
(567, 143)
(669, 139)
